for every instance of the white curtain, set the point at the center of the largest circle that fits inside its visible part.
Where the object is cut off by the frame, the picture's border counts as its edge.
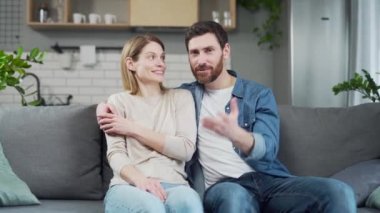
(364, 41)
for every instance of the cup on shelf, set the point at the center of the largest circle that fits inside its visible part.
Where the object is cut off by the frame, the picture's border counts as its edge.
(215, 16)
(94, 18)
(110, 18)
(79, 18)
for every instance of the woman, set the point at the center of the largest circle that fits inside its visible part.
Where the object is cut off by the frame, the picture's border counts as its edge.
(151, 133)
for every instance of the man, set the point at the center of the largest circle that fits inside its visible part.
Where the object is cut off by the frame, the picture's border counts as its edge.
(238, 140)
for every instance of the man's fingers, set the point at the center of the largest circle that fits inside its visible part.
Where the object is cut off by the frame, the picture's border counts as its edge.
(212, 124)
(234, 108)
(103, 121)
(105, 115)
(208, 122)
(106, 127)
(111, 108)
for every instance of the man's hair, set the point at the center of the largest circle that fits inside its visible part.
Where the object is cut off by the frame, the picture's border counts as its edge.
(132, 48)
(203, 27)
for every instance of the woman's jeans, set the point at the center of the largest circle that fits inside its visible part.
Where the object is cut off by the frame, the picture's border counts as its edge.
(126, 198)
(257, 192)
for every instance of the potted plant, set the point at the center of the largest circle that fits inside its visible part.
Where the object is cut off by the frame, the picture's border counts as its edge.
(366, 86)
(12, 70)
(268, 33)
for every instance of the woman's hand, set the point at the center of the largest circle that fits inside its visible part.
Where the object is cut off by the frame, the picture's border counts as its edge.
(152, 186)
(136, 178)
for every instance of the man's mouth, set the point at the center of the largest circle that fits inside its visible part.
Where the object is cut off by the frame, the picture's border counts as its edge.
(203, 69)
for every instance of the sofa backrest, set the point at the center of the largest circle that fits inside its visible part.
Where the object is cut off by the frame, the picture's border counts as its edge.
(56, 150)
(322, 141)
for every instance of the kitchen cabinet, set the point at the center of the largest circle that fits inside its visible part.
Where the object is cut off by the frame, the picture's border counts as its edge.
(163, 13)
(130, 13)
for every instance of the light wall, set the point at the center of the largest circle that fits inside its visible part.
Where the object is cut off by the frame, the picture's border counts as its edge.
(247, 58)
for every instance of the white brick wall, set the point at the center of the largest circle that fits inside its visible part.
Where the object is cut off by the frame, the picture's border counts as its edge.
(89, 85)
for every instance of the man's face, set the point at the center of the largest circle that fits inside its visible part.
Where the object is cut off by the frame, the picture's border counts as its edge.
(206, 58)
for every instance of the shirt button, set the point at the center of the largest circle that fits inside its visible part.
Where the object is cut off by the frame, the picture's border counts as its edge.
(245, 124)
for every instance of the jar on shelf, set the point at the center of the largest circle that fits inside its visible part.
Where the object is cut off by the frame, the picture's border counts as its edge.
(227, 22)
(43, 13)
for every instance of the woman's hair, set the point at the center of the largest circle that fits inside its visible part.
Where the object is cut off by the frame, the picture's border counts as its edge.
(132, 48)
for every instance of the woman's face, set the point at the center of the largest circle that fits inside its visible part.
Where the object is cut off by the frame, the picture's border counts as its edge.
(150, 66)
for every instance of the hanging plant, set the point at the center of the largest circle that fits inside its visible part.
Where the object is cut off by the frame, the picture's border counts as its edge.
(12, 70)
(268, 33)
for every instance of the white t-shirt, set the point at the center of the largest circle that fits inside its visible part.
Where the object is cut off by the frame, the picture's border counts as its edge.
(216, 153)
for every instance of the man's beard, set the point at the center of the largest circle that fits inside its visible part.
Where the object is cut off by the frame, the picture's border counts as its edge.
(207, 77)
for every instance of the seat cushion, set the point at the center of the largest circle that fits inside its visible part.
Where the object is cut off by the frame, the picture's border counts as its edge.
(363, 177)
(56, 150)
(67, 206)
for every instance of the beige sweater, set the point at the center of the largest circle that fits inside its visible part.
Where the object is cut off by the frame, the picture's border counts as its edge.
(172, 114)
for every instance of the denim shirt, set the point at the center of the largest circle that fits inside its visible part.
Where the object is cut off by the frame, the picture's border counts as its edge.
(257, 114)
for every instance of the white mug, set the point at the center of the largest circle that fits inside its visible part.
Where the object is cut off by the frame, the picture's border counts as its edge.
(79, 18)
(109, 18)
(94, 18)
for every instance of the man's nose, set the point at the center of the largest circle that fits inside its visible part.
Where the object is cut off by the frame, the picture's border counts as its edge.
(202, 58)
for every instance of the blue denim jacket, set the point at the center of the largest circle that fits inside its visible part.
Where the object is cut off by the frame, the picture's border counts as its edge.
(257, 114)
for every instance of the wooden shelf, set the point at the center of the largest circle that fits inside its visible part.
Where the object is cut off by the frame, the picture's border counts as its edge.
(46, 26)
(135, 14)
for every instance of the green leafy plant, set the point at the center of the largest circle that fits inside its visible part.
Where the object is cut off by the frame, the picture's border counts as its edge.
(366, 86)
(268, 33)
(12, 70)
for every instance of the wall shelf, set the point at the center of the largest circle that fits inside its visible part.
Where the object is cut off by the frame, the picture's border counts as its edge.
(47, 26)
(131, 13)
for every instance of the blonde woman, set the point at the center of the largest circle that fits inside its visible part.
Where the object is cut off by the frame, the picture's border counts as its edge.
(151, 133)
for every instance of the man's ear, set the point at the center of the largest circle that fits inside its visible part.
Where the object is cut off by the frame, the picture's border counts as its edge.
(226, 51)
(130, 64)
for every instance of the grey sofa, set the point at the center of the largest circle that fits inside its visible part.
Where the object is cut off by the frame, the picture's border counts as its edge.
(60, 151)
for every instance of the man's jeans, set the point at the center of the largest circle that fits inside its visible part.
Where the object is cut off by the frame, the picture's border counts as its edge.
(127, 198)
(257, 192)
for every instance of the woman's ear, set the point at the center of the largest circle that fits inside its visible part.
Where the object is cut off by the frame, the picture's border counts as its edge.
(130, 64)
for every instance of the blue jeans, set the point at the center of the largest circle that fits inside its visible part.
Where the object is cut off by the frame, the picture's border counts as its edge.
(257, 192)
(126, 198)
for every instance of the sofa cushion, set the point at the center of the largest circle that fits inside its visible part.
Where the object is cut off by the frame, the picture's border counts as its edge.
(62, 206)
(363, 177)
(323, 141)
(13, 191)
(55, 150)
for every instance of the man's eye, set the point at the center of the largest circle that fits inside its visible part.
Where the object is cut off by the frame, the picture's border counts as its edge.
(194, 53)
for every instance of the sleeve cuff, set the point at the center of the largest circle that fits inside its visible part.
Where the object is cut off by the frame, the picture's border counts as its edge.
(259, 149)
